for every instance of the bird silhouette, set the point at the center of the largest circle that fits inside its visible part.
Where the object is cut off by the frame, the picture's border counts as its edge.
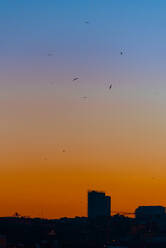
(52, 83)
(50, 54)
(75, 79)
(84, 97)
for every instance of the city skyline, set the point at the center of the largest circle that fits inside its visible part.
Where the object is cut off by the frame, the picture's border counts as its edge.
(99, 204)
(82, 103)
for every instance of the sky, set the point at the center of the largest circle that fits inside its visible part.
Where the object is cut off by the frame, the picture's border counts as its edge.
(55, 143)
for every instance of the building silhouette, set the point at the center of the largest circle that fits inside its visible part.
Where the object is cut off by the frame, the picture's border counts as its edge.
(150, 212)
(99, 205)
(3, 241)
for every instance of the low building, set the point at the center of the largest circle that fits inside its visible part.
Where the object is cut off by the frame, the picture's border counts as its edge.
(150, 212)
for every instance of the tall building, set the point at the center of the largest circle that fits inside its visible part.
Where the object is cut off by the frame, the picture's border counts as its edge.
(98, 204)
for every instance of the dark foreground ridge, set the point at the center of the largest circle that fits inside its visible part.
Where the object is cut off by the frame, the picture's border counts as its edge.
(114, 231)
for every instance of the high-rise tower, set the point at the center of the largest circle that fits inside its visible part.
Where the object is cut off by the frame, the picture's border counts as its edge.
(99, 204)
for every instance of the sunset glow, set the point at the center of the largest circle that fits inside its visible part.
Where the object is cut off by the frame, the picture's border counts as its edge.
(59, 137)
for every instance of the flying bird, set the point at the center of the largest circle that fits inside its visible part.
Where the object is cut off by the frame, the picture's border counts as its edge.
(50, 54)
(110, 86)
(75, 79)
(52, 83)
(84, 97)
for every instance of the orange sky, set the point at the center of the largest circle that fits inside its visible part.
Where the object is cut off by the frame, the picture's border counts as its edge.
(114, 139)
(119, 150)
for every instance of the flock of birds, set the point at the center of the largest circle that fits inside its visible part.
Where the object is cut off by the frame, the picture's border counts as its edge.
(77, 78)
(51, 53)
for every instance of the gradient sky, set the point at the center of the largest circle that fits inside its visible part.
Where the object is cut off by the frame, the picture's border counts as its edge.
(114, 140)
